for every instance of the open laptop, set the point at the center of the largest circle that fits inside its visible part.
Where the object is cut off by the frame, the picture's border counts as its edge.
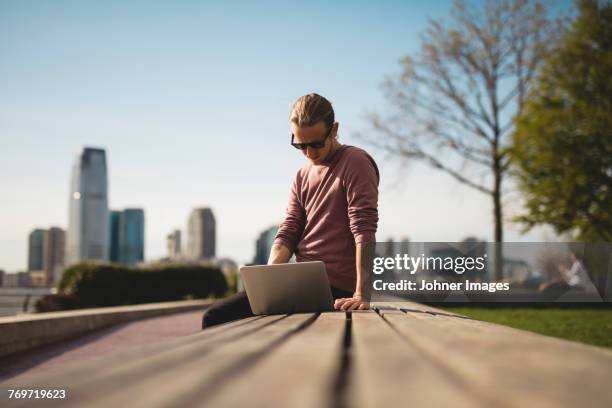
(287, 288)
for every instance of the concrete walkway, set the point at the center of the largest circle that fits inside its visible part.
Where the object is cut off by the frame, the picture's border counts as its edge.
(100, 344)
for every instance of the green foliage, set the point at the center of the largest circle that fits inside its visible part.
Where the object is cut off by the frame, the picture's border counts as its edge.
(97, 284)
(562, 148)
(232, 281)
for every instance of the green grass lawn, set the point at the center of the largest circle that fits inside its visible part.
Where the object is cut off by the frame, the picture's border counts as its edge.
(590, 326)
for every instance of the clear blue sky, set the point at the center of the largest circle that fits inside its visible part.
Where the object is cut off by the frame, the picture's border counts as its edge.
(190, 100)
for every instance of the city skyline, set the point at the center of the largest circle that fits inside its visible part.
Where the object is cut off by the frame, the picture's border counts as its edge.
(193, 114)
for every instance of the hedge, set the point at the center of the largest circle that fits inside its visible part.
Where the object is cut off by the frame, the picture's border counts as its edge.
(101, 284)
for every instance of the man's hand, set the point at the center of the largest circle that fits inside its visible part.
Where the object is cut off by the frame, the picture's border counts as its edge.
(354, 303)
(279, 254)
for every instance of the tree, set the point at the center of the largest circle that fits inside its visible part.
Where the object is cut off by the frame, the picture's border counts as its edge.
(562, 147)
(455, 100)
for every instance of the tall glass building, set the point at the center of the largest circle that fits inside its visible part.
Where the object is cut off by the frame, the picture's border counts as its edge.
(88, 210)
(35, 250)
(127, 236)
(114, 231)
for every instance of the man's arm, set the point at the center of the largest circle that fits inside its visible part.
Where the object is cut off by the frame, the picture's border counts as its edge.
(364, 259)
(361, 183)
(364, 256)
(291, 229)
(279, 254)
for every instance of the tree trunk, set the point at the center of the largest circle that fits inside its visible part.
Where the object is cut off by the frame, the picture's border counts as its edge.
(498, 221)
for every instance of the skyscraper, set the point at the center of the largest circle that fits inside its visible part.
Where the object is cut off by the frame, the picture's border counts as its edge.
(88, 214)
(263, 245)
(35, 250)
(127, 236)
(173, 243)
(54, 248)
(46, 254)
(113, 244)
(201, 231)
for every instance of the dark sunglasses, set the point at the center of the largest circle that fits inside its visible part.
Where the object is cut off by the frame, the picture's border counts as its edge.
(315, 145)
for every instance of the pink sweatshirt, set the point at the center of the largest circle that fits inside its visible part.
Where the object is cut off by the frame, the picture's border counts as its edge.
(333, 206)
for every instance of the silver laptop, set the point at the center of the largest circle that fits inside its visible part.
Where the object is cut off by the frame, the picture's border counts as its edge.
(287, 288)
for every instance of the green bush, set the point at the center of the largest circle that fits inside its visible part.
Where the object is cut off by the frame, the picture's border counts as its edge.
(232, 282)
(98, 284)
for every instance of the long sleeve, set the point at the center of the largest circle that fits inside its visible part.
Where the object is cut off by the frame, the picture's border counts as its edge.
(362, 197)
(292, 228)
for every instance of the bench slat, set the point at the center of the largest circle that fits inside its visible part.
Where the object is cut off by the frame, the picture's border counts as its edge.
(386, 369)
(298, 373)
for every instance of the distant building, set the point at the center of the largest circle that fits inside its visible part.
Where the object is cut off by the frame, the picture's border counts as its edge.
(46, 250)
(1, 277)
(127, 236)
(173, 244)
(54, 249)
(87, 237)
(201, 234)
(404, 246)
(14, 280)
(113, 231)
(35, 249)
(39, 278)
(263, 245)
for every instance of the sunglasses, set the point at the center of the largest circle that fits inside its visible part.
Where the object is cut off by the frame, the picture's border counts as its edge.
(314, 145)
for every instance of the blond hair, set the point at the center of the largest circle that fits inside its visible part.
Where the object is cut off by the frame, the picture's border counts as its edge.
(310, 109)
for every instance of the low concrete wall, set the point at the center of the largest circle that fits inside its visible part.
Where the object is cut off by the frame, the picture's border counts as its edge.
(23, 332)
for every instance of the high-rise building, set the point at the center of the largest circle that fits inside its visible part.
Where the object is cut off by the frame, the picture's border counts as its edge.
(201, 231)
(46, 254)
(88, 210)
(263, 245)
(173, 243)
(54, 249)
(113, 228)
(127, 236)
(35, 250)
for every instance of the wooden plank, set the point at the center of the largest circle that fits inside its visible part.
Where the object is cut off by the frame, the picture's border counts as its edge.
(129, 365)
(301, 372)
(385, 370)
(186, 377)
(384, 307)
(511, 367)
(410, 307)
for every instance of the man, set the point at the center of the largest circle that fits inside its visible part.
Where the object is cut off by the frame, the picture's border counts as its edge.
(332, 214)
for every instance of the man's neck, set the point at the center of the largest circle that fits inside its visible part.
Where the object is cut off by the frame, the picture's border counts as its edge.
(335, 146)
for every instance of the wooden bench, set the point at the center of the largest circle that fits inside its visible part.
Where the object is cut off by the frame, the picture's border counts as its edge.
(399, 354)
